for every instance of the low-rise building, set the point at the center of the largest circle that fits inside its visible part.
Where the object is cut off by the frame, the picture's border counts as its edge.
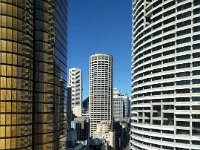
(104, 131)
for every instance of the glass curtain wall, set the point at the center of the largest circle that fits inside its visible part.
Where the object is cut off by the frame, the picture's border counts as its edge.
(16, 74)
(33, 64)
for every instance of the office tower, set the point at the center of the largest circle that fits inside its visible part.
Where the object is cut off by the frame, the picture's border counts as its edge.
(119, 105)
(165, 74)
(100, 89)
(33, 56)
(75, 81)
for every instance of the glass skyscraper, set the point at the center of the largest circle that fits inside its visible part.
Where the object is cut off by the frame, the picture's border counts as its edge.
(33, 77)
(165, 105)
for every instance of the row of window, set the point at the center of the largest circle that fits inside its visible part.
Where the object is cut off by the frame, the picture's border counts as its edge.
(177, 91)
(178, 58)
(169, 44)
(182, 82)
(169, 68)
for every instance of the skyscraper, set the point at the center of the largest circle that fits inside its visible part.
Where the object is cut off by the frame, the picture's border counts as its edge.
(165, 75)
(33, 56)
(101, 84)
(119, 105)
(75, 81)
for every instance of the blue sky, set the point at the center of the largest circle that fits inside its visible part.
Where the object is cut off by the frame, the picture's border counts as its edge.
(101, 26)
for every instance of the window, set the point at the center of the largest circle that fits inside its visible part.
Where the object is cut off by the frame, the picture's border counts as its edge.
(183, 123)
(168, 68)
(196, 142)
(181, 74)
(169, 4)
(196, 72)
(184, 40)
(185, 65)
(196, 81)
(183, 82)
(196, 46)
(183, 141)
(170, 36)
(182, 107)
(196, 28)
(184, 15)
(168, 84)
(179, 131)
(182, 49)
(168, 76)
(196, 64)
(183, 91)
(196, 11)
(183, 32)
(196, 37)
(196, 2)
(196, 90)
(185, 23)
(194, 99)
(167, 21)
(169, 28)
(196, 20)
(196, 55)
(168, 60)
(183, 57)
(168, 52)
(172, 11)
(182, 99)
(185, 6)
(168, 44)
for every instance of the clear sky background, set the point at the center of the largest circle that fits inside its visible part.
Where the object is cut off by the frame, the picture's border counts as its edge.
(101, 26)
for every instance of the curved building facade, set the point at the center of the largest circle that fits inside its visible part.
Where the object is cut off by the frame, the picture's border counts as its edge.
(33, 77)
(101, 85)
(16, 77)
(165, 105)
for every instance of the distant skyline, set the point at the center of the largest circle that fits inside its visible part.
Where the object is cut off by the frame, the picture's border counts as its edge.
(101, 26)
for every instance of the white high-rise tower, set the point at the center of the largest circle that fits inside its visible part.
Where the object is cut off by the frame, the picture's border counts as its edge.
(165, 105)
(101, 84)
(75, 82)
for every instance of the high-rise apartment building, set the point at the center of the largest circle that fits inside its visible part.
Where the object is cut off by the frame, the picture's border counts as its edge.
(101, 84)
(33, 56)
(166, 75)
(120, 104)
(75, 81)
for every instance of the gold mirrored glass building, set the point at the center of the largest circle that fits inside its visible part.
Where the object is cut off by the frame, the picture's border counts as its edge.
(33, 62)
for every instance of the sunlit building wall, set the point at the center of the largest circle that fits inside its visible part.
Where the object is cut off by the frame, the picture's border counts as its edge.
(75, 82)
(119, 105)
(165, 108)
(33, 57)
(101, 84)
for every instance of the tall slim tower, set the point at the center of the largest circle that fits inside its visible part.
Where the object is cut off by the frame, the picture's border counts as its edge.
(165, 105)
(33, 56)
(75, 82)
(101, 84)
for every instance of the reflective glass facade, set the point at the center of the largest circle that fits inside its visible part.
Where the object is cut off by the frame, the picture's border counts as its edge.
(33, 59)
